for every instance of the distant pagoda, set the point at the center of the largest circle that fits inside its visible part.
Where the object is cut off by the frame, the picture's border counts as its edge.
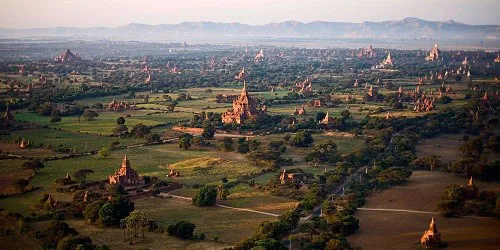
(125, 175)
(431, 237)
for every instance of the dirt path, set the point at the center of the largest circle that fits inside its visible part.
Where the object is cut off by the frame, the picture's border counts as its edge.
(223, 206)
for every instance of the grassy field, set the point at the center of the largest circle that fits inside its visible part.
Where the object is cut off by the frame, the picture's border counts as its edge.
(228, 225)
(445, 147)
(9, 171)
(345, 144)
(104, 124)
(398, 230)
(79, 141)
(153, 161)
(113, 237)
(16, 240)
(244, 196)
(13, 148)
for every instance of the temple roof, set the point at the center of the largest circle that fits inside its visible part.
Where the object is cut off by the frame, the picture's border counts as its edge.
(125, 162)
(432, 226)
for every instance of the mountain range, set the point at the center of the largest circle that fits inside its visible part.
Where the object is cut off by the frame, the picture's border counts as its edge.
(407, 28)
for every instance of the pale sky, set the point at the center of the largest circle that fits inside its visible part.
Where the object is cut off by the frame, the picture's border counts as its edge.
(111, 13)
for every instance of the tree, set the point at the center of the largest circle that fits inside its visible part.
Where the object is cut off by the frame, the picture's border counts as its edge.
(152, 138)
(35, 165)
(205, 196)
(269, 244)
(55, 119)
(90, 115)
(120, 120)
(325, 152)
(184, 143)
(116, 190)
(430, 162)
(107, 215)
(302, 138)
(208, 130)
(226, 144)
(134, 221)
(345, 114)
(81, 175)
(20, 184)
(98, 106)
(182, 229)
(242, 145)
(171, 105)
(140, 130)
(56, 231)
(75, 242)
(120, 130)
(91, 212)
(104, 152)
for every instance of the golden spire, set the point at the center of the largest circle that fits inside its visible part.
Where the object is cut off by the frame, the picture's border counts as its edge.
(125, 162)
(470, 182)
(432, 226)
(244, 91)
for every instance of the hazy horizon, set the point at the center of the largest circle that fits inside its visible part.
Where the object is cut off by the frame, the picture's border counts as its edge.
(23, 14)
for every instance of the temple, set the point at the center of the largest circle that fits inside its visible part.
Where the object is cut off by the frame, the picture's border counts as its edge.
(434, 54)
(117, 106)
(240, 75)
(368, 52)
(300, 111)
(125, 176)
(431, 237)
(304, 87)
(259, 57)
(295, 178)
(471, 191)
(327, 120)
(243, 108)
(67, 56)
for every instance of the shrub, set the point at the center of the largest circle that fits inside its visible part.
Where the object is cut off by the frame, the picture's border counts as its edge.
(205, 196)
(182, 229)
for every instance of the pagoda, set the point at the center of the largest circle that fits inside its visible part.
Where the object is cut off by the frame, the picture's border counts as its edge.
(431, 237)
(125, 175)
(243, 108)
(434, 54)
(67, 56)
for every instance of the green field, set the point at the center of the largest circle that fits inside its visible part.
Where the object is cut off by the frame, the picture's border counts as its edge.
(106, 121)
(228, 225)
(152, 160)
(79, 141)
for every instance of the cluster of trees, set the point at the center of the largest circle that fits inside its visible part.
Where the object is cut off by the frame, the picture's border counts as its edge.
(182, 229)
(324, 152)
(59, 235)
(270, 233)
(460, 200)
(109, 212)
(474, 157)
(205, 196)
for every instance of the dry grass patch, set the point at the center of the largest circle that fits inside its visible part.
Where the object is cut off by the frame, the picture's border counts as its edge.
(228, 225)
(113, 237)
(400, 230)
(444, 147)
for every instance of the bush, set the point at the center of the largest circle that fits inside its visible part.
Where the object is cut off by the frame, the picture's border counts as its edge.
(104, 152)
(182, 229)
(90, 115)
(302, 139)
(205, 196)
